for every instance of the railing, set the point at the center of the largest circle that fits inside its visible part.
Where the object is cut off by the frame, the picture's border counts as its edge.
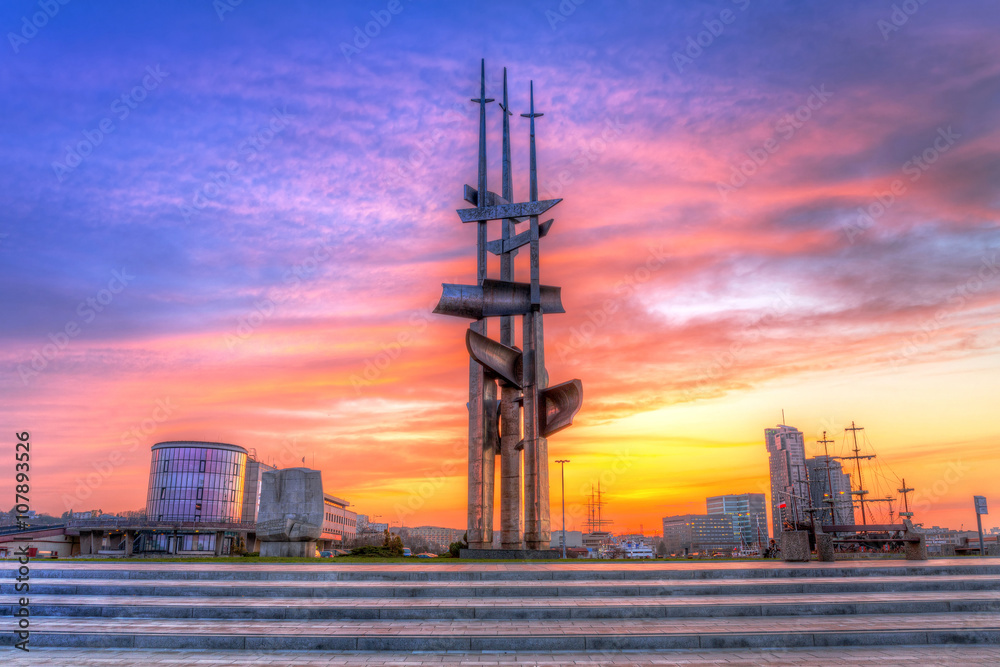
(11, 530)
(166, 524)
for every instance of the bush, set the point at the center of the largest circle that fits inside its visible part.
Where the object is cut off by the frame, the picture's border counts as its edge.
(455, 547)
(374, 552)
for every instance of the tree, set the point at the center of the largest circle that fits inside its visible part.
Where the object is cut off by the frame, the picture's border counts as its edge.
(455, 547)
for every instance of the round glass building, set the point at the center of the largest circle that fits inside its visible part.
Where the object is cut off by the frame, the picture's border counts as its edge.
(193, 481)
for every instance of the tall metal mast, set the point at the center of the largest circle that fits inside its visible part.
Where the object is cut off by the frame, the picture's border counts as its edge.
(481, 391)
(861, 492)
(536, 483)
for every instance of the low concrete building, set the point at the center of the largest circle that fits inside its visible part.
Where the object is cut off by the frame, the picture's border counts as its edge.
(574, 538)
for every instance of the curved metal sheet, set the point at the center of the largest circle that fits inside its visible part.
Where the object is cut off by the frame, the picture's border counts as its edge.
(560, 404)
(495, 298)
(501, 360)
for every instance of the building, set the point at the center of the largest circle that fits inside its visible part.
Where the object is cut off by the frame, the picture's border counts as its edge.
(789, 478)
(689, 533)
(749, 514)
(836, 505)
(365, 526)
(193, 481)
(574, 538)
(436, 535)
(340, 525)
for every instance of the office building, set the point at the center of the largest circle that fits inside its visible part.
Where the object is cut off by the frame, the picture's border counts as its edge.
(689, 533)
(340, 525)
(435, 535)
(749, 514)
(789, 478)
(836, 506)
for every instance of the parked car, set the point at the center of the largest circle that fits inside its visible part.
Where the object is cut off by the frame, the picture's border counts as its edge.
(427, 555)
(407, 552)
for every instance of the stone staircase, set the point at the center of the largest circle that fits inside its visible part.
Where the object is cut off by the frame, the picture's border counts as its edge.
(443, 606)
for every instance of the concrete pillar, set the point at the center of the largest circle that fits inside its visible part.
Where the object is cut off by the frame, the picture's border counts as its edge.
(129, 537)
(510, 471)
(475, 521)
(824, 547)
(219, 538)
(86, 542)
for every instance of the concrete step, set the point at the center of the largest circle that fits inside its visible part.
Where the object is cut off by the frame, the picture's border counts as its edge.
(501, 608)
(492, 635)
(530, 589)
(455, 571)
(838, 656)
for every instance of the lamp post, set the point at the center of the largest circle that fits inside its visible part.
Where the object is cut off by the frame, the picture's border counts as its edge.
(562, 466)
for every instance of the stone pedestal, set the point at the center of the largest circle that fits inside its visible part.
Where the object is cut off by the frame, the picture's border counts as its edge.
(824, 547)
(917, 549)
(288, 549)
(795, 546)
(510, 554)
(290, 519)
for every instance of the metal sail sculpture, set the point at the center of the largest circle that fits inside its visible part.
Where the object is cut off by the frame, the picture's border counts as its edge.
(527, 410)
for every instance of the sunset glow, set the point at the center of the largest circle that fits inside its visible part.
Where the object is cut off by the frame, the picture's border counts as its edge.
(803, 216)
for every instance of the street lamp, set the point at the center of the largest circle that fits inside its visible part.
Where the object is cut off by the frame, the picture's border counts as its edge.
(562, 465)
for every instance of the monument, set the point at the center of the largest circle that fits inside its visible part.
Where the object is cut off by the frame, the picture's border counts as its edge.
(290, 519)
(512, 408)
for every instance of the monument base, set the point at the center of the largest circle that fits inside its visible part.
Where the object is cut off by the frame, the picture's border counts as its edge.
(824, 547)
(288, 549)
(510, 554)
(795, 546)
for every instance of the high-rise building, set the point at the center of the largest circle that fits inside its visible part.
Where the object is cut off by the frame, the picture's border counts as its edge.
(688, 533)
(824, 472)
(789, 478)
(748, 512)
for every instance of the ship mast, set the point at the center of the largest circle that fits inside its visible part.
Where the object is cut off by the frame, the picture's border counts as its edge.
(906, 504)
(829, 478)
(861, 492)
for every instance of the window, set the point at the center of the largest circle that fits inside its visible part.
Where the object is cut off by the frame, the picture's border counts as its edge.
(201, 492)
(201, 466)
(163, 492)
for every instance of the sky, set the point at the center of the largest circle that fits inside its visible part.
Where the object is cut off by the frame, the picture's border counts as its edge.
(230, 221)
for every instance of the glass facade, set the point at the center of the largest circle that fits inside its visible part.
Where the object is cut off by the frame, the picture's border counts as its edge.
(196, 481)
